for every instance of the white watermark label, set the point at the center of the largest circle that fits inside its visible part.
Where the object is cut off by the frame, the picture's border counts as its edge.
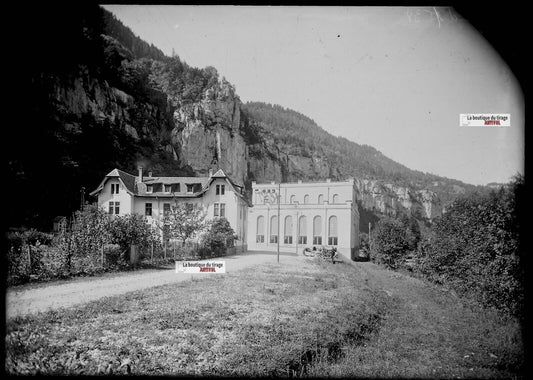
(200, 267)
(485, 120)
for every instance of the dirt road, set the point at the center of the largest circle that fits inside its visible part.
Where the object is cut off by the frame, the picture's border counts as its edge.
(31, 299)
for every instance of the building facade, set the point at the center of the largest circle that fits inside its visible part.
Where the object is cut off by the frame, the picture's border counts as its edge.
(306, 215)
(121, 193)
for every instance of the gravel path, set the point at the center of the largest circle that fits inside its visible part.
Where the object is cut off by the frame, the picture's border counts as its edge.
(32, 299)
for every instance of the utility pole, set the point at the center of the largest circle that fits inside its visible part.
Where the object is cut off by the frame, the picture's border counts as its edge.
(279, 201)
(369, 238)
(297, 230)
(269, 199)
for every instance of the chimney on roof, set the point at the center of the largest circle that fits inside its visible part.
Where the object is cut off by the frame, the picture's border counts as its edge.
(150, 174)
(210, 172)
(140, 177)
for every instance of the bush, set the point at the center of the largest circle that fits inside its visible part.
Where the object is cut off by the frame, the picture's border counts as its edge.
(33, 255)
(18, 267)
(364, 246)
(130, 230)
(187, 251)
(475, 249)
(114, 257)
(390, 243)
(52, 263)
(219, 236)
(24, 256)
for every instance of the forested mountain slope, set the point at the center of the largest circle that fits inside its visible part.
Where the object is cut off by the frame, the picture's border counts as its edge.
(100, 98)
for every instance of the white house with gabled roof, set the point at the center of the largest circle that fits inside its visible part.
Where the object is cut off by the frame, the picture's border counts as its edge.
(121, 193)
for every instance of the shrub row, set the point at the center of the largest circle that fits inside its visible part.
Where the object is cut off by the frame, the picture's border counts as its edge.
(473, 248)
(90, 243)
(95, 243)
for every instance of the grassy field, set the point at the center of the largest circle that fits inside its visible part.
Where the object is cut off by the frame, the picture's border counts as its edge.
(304, 319)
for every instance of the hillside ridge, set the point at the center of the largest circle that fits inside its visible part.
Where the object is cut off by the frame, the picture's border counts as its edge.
(102, 98)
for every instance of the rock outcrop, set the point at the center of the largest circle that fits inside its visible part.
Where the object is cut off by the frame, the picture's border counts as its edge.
(115, 100)
(84, 97)
(208, 135)
(390, 199)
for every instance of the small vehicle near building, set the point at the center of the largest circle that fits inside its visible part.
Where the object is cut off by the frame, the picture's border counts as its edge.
(324, 252)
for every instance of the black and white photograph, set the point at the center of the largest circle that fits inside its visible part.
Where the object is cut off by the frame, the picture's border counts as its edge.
(266, 191)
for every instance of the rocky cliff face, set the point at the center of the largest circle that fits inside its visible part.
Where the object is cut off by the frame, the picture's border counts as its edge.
(390, 199)
(83, 98)
(268, 162)
(207, 133)
(100, 105)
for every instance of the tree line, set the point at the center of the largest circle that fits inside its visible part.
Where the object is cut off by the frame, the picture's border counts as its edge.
(93, 242)
(474, 248)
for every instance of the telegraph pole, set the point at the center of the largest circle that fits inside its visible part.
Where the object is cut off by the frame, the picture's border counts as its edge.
(369, 238)
(279, 201)
(297, 230)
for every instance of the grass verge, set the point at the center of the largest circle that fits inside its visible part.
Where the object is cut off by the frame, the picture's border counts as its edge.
(304, 319)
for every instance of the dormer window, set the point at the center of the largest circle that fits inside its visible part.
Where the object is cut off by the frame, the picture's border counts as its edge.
(149, 188)
(193, 188)
(168, 188)
(114, 188)
(220, 189)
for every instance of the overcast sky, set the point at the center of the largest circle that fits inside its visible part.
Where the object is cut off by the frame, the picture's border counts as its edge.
(395, 78)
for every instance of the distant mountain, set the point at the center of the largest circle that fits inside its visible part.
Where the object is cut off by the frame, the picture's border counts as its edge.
(101, 98)
(306, 151)
(297, 134)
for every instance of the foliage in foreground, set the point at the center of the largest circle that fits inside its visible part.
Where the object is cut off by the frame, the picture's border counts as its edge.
(183, 221)
(392, 240)
(219, 236)
(389, 243)
(476, 248)
(95, 243)
(92, 243)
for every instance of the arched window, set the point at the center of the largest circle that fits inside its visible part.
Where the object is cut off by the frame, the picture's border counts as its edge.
(320, 199)
(293, 197)
(287, 238)
(302, 230)
(306, 199)
(260, 235)
(317, 230)
(335, 198)
(274, 229)
(332, 231)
